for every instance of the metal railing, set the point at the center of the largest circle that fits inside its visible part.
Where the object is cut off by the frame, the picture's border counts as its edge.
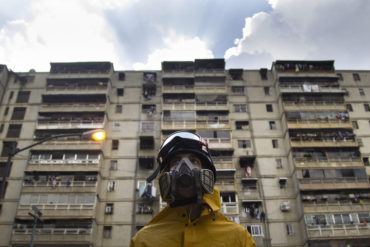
(310, 121)
(58, 206)
(61, 184)
(338, 230)
(313, 103)
(55, 231)
(65, 162)
(76, 88)
(71, 124)
(326, 159)
(230, 208)
(332, 180)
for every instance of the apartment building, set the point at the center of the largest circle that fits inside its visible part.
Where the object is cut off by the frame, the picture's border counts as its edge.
(290, 145)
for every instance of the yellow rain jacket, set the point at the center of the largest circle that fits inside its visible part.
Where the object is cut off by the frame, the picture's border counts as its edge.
(172, 228)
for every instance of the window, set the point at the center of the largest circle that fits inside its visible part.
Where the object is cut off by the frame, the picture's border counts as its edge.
(237, 89)
(6, 111)
(120, 91)
(242, 125)
(107, 231)
(275, 143)
(148, 109)
(240, 107)
(109, 208)
(340, 76)
(244, 143)
(355, 124)
(289, 229)
(113, 165)
(267, 91)
(228, 197)
(116, 127)
(366, 107)
(115, 144)
(118, 108)
(10, 96)
(356, 77)
(121, 76)
(18, 113)
(349, 107)
(23, 96)
(359, 141)
(279, 163)
(14, 131)
(255, 230)
(111, 186)
(361, 92)
(147, 126)
(366, 161)
(282, 182)
(1, 128)
(272, 125)
(269, 108)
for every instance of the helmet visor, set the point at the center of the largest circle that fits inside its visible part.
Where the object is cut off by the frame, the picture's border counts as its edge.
(183, 135)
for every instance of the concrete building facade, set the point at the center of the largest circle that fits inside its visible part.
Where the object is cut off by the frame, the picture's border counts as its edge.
(290, 145)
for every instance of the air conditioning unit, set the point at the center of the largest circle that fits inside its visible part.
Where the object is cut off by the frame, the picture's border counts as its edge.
(285, 206)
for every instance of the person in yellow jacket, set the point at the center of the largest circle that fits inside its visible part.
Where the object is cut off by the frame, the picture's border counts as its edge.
(186, 183)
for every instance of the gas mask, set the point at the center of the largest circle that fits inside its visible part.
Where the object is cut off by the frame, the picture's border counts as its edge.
(185, 184)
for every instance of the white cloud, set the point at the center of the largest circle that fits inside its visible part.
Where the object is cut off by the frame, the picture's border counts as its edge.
(178, 48)
(56, 31)
(300, 29)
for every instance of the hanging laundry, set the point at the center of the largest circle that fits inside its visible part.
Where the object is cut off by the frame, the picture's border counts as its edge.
(307, 88)
(315, 88)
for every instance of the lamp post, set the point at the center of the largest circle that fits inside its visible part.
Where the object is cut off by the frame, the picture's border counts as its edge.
(96, 135)
(36, 217)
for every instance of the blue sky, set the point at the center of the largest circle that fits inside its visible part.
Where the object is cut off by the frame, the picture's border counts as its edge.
(139, 34)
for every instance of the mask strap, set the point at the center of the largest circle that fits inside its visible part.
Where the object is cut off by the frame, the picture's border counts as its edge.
(198, 186)
(153, 176)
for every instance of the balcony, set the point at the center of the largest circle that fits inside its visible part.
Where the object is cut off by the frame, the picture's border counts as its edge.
(322, 142)
(175, 125)
(314, 106)
(324, 162)
(60, 186)
(65, 165)
(69, 144)
(179, 106)
(74, 124)
(318, 89)
(225, 184)
(204, 122)
(333, 183)
(338, 231)
(177, 89)
(339, 206)
(212, 106)
(211, 89)
(219, 143)
(319, 124)
(72, 107)
(230, 208)
(56, 211)
(60, 235)
(76, 89)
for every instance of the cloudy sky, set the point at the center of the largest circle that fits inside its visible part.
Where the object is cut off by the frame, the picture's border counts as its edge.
(139, 34)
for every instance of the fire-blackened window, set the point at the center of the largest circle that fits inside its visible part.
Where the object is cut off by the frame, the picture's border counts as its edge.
(23, 96)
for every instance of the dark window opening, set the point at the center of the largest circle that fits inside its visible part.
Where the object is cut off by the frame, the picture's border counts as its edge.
(267, 91)
(120, 91)
(150, 76)
(237, 89)
(250, 183)
(14, 131)
(272, 125)
(10, 96)
(23, 96)
(115, 144)
(366, 161)
(149, 90)
(349, 107)
(107, 232)
(8, 147)
(236, 74)
(263, 73)
(146, 162)
(269, 108)
(275, 143)
(148, 109)
(242, 125)
(18, 113)
(118, 108)
(3, 169)
(121, 76)
(366, 107)
(109, 208)
(282, 182)
(356, 77)
(146, 142)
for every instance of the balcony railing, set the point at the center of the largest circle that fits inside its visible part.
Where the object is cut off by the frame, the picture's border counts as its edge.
(300, 89)
(319, 123)
(76, 88)
(212, 105)
(58, 206)
(219, 142)
(335, 231)
(339, 206)
(332, 180)
(185, 124)
(65, 162)
(183, 89)
(326, 142)
(326, 159)
(312, 162)
(230, 208)
(333, 183)
(55, 231)
(83, 124)
(73, 105)
(62, 184)
(313, 105)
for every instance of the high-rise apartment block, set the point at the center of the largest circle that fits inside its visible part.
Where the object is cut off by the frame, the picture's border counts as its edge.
(291, 145)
